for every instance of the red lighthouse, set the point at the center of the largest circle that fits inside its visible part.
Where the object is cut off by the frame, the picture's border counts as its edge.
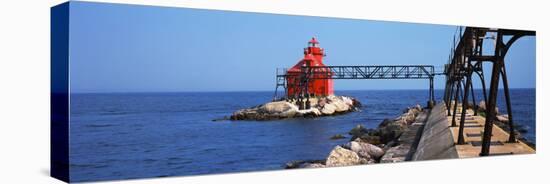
(313, 56)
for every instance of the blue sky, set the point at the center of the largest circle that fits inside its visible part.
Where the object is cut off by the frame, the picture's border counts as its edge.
(129, 48)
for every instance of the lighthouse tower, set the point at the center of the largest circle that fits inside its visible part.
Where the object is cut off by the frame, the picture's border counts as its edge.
(313, 56)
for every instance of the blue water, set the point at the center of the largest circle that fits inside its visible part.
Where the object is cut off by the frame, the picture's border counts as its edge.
(137, 135)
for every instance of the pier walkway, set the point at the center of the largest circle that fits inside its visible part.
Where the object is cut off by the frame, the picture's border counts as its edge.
(439, 139)
(473, 131)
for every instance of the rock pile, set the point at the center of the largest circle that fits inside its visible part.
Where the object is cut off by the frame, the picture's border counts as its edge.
(367, 146)
(320, 106)
(387, 131)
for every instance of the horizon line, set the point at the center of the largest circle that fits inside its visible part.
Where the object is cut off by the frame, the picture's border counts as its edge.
(234, 91)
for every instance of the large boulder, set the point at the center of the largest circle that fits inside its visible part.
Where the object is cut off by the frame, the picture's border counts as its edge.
(418, 107)
(245, 114)
(482, 106)
(365, 150)
(341, 103)
(503, 118)
(313, 112)
(341, 106)
(271, 110)
(413, 110)
(407, 117)
(277, 107)
(342, 157)
(328, 109)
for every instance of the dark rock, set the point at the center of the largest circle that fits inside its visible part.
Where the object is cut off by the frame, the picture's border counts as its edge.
(222, 119)
(371, 139)
(356, 103)
(312, 165)
(521, 129)
(294, 164)
(305, 164)
(391, 144)
(391, 130)
(338, 136)
(358, 131)
(385, 122)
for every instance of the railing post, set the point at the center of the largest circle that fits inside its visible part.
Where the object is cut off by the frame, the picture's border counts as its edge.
(512, 137)
(453, 122)
(450, 96)
(431, 101)
(473, 96)
(464, 105)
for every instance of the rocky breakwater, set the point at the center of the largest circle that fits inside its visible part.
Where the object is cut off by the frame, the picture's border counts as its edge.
(320, 106)
(368, 146)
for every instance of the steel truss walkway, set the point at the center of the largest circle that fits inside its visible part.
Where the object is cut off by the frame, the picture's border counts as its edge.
(309, 73)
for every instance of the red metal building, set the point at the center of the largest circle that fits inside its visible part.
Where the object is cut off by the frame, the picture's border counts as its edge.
(313, 56)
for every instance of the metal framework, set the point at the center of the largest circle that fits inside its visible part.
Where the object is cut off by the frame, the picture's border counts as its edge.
(466, 59)
(372, 72)
(309, 73)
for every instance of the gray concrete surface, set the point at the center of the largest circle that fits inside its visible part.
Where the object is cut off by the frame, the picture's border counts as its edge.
(436, 141)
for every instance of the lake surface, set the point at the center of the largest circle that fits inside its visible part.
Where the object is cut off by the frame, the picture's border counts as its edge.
(137, 135)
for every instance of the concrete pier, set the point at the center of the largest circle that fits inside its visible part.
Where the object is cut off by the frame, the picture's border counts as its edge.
(436, 141)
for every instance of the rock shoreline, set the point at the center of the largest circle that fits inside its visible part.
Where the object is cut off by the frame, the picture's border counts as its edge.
(320, 106)
(367, 146)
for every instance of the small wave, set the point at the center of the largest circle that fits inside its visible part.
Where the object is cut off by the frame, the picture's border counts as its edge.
(100, 166)
(99, 125)
(178, 163)
(149, 160)
(209, 149)
(88, 166)
(107, 144)
(114, 113)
